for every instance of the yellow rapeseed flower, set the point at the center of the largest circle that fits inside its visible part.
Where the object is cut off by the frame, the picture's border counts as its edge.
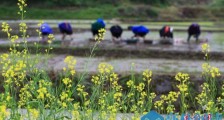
(105, 68)
(34, 113)
(101, 34)
(205, 48)
(147, 76)
(3, 112)
(41, 92)
(6, 28)
(182, 77)
(140, 87)
(50, 38)
(130, 83)
(70, 62)
(67, 81)
(96, 80)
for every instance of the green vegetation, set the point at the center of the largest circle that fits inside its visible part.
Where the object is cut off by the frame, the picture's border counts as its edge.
(127, 10)
(105, 11)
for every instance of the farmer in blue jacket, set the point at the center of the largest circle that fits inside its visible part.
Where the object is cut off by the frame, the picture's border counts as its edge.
(45, 30)
(66, 29)
(139, 31)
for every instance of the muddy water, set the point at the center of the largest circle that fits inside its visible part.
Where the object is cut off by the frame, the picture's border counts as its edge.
(124, 66)
(215, 40)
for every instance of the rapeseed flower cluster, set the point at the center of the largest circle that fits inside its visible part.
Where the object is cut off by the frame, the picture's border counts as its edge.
(6, 29)
(147, 76)
(210, 107)
(14, 38)
(3, 112)
(159, 104)
(65, 99)
(110, 97)
(140, 87)
(80, 89)
(130, 83)
(75, 113)
(44, 93)
(25, 95)
(83, 95)
(166, 102)
(14, 73)
(105, 68)
(205, 49)
(34, 114)
(67, 82)
(113, 109)
(183, 80)
(23, 27)
(96, 80)
(220, 99)
(140, 93)
(203, 97)
(70, 62)
(100, 35)
(50, 38)
(65, 96)
(210, 71)
(182, 77)
(209, 88)
(102, 100)
(22, 4)
(170, 99)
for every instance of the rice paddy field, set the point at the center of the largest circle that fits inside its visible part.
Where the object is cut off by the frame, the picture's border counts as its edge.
(102, 80)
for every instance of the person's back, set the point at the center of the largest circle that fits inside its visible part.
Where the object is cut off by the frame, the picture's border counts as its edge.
(45, 29)
(166, 31)
(65, 28)
(194, 29)
(101, 21)
(116, 32)
(140, 31)
(96, 26)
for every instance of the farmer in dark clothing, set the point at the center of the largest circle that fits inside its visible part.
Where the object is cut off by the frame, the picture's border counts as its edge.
(45, 30)
(166, 31)
(116, 32)
(194, 29)
(66, 29)
(96, 26)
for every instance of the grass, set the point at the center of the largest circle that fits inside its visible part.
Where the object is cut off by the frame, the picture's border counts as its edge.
(124, 12)
(107, 11)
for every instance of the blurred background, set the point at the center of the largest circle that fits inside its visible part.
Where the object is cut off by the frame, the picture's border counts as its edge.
(127, 10)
